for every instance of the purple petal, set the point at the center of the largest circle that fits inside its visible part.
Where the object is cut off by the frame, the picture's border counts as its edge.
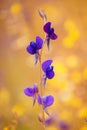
(50, 74)
(29, 91)
(46, 64)
(39, 42)
(39, 99)
(64, 126)
(53, 36)
(49, 121)
(47, 27)
(31, 48)
(48, 100)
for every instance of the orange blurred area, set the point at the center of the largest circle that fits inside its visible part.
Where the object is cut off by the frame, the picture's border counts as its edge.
(20, 23)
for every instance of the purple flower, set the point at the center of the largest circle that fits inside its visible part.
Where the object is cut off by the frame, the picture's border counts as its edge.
(49, 121)
(46, 101)
(50, 33)
(34, 47)
(32, 92)
(64, 126)
(48, 70)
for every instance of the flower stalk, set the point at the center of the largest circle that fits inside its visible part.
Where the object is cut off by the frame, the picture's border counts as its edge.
(36, 48)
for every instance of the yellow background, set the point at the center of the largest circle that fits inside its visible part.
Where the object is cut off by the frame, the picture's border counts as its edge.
(20, 23)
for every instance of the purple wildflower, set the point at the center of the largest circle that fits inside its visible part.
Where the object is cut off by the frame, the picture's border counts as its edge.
(49, 121)
(46, 101)
(64, 126)
(50, 33)
(32, 92)
(34, 47)
(48, 70)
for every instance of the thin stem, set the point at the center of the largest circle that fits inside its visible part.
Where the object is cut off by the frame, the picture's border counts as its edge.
(41, 92)
(43, 15)
(41, 87)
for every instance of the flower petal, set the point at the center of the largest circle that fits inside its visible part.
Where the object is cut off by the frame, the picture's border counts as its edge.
(39, 99)
(53, 36)
(39, 42)
(49, 121)
(46, 64)
(29, 91)
(64, 126)
(48, 100)
(50, 74)
(31, 48)
(47, 27)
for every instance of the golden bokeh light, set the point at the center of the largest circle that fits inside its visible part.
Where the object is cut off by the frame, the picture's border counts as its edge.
(72, 61)
(20, 23)
(76, 76)
(85, 73)
(18, 109)
(72, 34)
(16, 8)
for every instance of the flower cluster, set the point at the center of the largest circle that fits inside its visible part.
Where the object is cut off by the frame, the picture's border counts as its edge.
(34, 48)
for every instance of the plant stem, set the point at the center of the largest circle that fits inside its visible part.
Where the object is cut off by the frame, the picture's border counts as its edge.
(41, 92)
(43, 15)
(41, 87)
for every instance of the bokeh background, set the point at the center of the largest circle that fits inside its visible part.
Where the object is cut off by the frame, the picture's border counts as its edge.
(19, 24)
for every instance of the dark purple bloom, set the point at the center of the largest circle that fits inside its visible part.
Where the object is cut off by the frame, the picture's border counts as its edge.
(49, 121)
(48, 70)
(32, 92)
(50, 33)
(34, 47)
(46, 101)
(64, 126)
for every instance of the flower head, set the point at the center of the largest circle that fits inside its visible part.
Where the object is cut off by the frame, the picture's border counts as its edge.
(32, 92)
(48, 70)
(34, 47)
(46, 101)
(50, 33)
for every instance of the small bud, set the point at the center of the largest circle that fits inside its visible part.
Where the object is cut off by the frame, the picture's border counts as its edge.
(40, 119)
(42, 15)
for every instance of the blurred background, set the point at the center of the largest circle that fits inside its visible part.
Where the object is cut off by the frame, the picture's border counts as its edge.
(20, 23)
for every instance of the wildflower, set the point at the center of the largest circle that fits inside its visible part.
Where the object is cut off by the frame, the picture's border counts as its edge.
(46, 101)
(64, 126)
(49, 121)
(50, 33)
(32, 92)
(48, 70)
(34, 47)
